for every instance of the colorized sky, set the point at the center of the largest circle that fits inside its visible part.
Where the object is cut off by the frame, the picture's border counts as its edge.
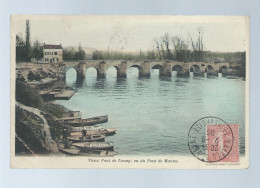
(225, 34)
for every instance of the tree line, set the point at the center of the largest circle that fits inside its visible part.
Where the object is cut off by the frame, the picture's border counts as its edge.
(72, 54)
(165, 48)
(176, 48)
(25, 51)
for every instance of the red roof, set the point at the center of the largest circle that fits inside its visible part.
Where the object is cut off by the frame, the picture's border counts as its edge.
(51, 46)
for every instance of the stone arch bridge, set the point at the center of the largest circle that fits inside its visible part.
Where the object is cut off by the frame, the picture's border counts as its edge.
(144, 67)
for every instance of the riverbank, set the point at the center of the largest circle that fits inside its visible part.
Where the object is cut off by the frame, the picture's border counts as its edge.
(37, 127)
(43, 127)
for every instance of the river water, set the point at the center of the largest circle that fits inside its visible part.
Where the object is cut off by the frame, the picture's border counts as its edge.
(153, 115)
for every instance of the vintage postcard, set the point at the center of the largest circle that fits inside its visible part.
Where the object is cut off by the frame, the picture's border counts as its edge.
(129, 91)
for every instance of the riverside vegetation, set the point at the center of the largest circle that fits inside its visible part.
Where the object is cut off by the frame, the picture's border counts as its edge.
(28, 126)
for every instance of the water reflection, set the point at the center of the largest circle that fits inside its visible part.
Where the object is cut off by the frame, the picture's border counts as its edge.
(99, 84)
(153, 115)
(79, 82)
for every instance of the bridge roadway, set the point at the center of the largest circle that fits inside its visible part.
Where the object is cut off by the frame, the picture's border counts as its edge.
(144, 67)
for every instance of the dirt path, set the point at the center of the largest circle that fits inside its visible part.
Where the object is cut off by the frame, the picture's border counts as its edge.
(50, 143)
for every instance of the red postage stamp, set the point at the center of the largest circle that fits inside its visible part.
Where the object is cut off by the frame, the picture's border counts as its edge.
(223, 141)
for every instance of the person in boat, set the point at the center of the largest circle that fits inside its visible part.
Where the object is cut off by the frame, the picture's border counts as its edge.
(64, 135)
(84, 133)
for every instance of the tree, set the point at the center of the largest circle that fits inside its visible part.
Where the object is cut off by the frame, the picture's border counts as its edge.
(80, 54)
(20, 48)
(69, 54)
(37, 50)
(166, 42)
(96, 55)
(158, 48)
(27, 42)
(150, 55)
(197, 46)
(181, 49)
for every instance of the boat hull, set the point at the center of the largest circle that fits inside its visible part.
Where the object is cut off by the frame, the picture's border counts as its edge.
(90, 147)
(87, 122)
(95, 132)
(92, 138)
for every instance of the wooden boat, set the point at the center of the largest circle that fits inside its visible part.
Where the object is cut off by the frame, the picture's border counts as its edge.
(70, 151)
(71, 115)
(88, 121)
(99, 153)
(89, 138)
(86, 146)
(58, 93)
(92, 130)
(67, 119)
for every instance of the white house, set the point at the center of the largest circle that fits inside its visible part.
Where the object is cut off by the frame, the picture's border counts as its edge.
(52, 53)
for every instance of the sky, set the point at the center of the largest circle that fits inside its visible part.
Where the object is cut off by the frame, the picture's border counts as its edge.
(132, 33)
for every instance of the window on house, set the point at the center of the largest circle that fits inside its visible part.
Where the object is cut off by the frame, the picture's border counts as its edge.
(55, 53)
(46, 59)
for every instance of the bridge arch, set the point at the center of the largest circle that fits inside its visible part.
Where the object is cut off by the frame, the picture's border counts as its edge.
(195, 69)
(73, 71)
(210, 70)
(140, 69)
(177, 68)
(115, 67)
(223, 69)
(95, 68)
(160, 67)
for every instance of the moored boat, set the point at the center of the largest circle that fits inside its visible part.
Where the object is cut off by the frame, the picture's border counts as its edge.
(86, 146)
(88, 138)
(88, 121)
(70, 115)
(92, 130)
(70, 151)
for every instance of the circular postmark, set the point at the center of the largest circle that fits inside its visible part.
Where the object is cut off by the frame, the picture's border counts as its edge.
(210, 139)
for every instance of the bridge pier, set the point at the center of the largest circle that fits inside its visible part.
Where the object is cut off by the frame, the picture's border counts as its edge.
(198, 73)
(185, 71)
(81, 73)
(101, 70)
(121, 74)
(146, 70)
(167, 71)
(144, 74)
(101, 74)
(121, 70)
(212, 73)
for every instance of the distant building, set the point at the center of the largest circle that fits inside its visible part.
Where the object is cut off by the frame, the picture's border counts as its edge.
(52, 53)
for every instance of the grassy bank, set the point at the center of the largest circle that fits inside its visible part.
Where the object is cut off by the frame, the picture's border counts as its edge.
(27, 126)
(29, 96)
(30, 130)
